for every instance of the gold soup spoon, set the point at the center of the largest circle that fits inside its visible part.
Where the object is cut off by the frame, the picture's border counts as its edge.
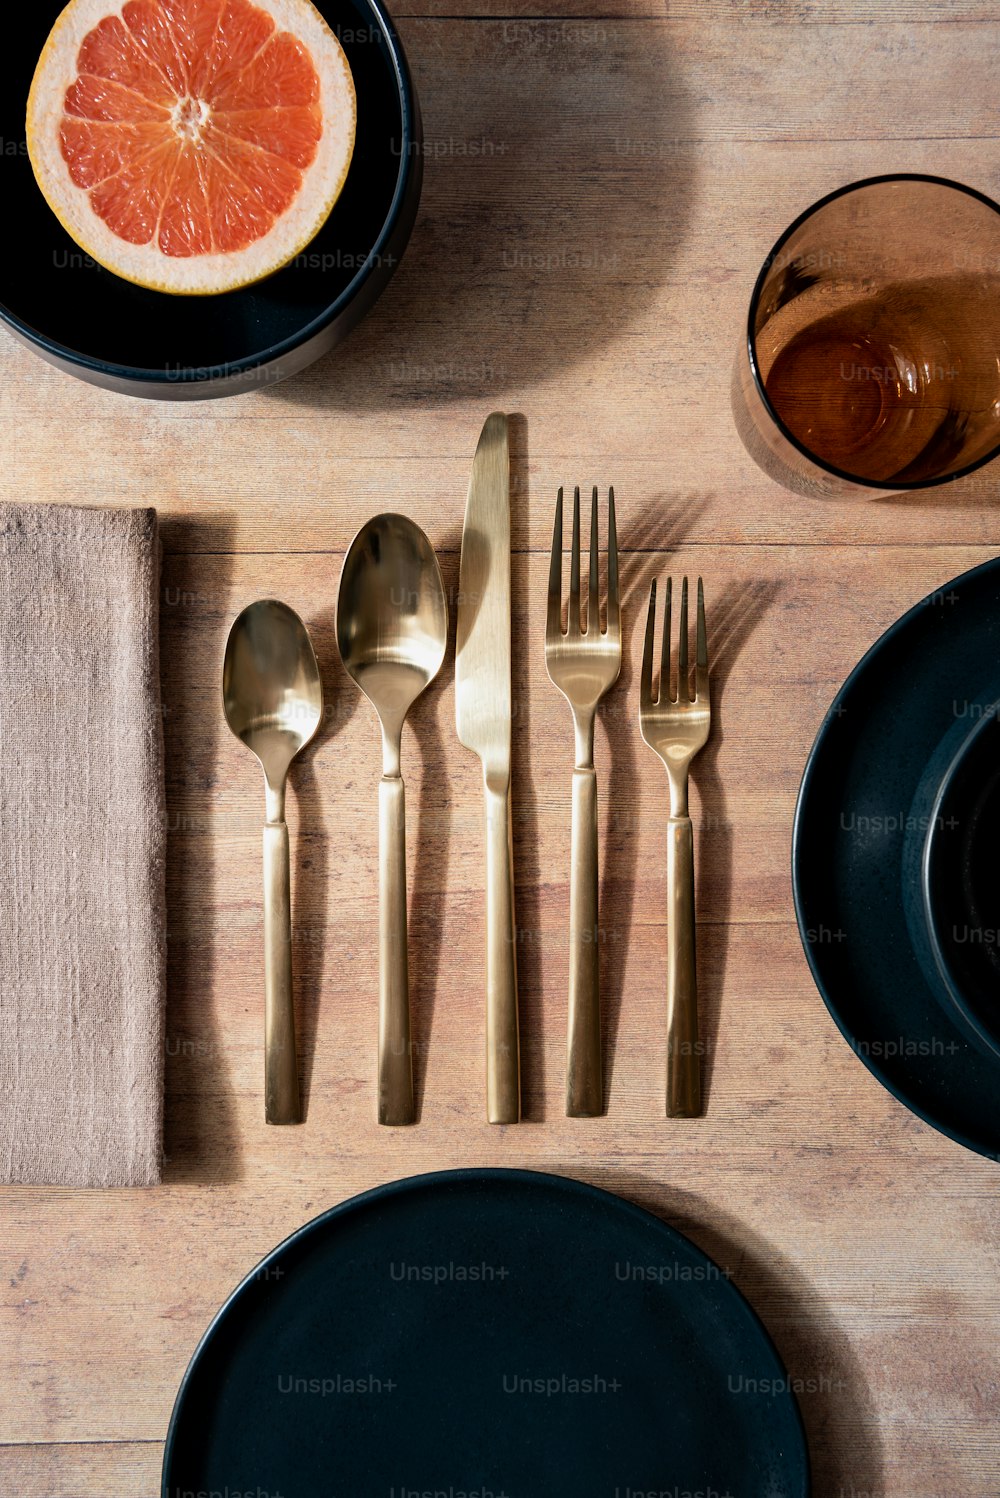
(273, 701)
(392, 629)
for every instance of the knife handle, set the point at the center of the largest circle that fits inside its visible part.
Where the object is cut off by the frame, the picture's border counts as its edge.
(503, 1063)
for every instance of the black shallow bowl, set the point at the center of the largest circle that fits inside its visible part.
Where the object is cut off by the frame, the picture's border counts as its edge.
(486, 1332)
(961, 892)
(92, 324)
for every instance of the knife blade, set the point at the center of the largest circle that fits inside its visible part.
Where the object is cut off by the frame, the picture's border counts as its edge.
(483, 719)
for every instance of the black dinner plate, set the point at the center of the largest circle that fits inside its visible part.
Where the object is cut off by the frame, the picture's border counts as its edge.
(961, 886)
(484, 1332)
(91, 323)
(865, 807)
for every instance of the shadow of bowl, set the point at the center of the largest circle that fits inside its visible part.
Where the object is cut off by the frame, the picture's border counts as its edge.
(558, 168)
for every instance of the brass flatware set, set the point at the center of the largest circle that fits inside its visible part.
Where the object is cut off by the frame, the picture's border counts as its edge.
(392, 629)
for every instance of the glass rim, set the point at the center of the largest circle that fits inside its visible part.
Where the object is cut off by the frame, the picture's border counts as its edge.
(902, 485)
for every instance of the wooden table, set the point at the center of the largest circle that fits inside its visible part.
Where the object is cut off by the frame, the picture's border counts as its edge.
(600, 189)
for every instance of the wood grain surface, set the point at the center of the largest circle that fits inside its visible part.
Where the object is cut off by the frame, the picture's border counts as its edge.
(601, 185)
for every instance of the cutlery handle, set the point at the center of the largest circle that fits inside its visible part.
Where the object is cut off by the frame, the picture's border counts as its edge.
(281, 1073)
(395, 1068)
(584, 1086)
(683, 1064)
(503, 1064)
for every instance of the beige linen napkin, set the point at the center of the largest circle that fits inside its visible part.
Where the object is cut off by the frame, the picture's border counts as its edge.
(82, 838)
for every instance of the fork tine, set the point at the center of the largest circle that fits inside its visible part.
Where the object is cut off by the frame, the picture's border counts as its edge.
(573, 621)
(701, 656)
(646, 679)
(553, 617)
(683, 670)
(613, 611)
(594, 600)
(664, 693)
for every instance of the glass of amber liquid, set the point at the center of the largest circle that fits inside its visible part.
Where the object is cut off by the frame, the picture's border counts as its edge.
(871, 360)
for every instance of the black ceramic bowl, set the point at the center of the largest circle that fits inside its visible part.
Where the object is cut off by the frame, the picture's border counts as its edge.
(87, 321)
(430, 1336)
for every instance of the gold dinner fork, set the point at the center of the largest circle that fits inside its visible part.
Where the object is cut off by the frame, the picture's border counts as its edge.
(676, 728)
(583, 663)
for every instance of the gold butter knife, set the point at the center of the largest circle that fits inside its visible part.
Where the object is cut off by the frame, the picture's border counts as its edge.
(483, 718)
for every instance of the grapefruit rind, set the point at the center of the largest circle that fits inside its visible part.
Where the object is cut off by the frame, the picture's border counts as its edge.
(145, 264)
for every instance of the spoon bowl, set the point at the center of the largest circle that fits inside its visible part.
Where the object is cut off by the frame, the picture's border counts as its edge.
(273, 701)
(392, 630)
(392, 621)
(271, 688)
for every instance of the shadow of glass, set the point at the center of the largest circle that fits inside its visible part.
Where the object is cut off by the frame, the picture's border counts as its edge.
(558, 173)
(977, 491)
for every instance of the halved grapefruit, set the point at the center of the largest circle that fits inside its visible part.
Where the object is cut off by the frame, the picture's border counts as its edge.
(191, 146)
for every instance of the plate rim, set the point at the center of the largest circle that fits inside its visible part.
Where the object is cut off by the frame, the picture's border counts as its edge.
(849, 685)
(573, 1186)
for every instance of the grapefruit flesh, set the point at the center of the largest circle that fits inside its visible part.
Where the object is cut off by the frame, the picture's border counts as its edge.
(192, 146)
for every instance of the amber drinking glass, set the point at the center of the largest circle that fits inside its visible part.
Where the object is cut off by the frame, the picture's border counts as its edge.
(872, 355)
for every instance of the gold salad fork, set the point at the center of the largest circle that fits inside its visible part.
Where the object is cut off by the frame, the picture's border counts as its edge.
(583, 663)
(676, 728)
